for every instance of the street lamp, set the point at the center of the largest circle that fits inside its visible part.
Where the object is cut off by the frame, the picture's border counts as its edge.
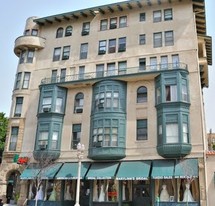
(80, 153)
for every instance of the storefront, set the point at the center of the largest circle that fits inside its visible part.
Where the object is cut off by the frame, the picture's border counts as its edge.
(128, 183)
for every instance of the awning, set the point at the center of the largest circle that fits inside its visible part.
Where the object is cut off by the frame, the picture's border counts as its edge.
(162, 169)
(30, 172)
(137, 170)
(70, 170)
(187, 168)
(105, 170)
(50, 171)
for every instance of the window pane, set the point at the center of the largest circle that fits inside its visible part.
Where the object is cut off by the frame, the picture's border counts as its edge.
(59, 33)
(122, 21)
(142, 129)
(157, 16)
(59, 104)
(83, 51)
(142, 39)
(172, 133)
(112, 46)
(26, 80)
(18, 107)
(122, 44)
(157, 38)
(142, 16)
(56, 55)
(167, 14)
(169, 40)
(18, 80)
(103, 24)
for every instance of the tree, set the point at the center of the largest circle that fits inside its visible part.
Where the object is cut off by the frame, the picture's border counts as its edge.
(3, 131)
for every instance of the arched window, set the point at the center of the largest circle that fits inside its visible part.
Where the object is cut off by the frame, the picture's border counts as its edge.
(141, 94)
(68, 31)
(59, 33)
(79, 102)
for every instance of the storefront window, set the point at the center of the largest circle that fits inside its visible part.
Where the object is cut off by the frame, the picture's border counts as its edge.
(126, 190)
(105, 191)
(69, 193)
(177, 190)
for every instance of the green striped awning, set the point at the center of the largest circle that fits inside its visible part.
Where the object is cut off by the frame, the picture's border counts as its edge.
(163, 169)
(186, 168)
(30, 172)
(105, 170)
(136, 170)
(69, 170)
(50, 171)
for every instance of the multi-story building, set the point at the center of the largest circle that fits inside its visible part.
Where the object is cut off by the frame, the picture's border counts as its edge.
(126, 81)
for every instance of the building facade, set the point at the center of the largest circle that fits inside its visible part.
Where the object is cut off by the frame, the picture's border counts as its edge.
(126, 81)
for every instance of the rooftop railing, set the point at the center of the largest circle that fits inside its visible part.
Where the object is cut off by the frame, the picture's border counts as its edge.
(114, 72)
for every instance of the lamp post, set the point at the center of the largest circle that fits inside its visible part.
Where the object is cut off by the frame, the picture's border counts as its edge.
(80, 153)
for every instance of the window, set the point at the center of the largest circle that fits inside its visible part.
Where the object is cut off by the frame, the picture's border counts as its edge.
(142, 129)
(106, 136)
(26, 80)
(110, 69)
(175, 61)
(76, 135)
(122, 44)
(34, 32)
(66, 52)
(102, 47)
(141, 94)
(68, 31)
(103, 24)
(18, 107)
(171, 93)
(112, 46)
(185, 129)
(18, 80)
(157, 16)
(13, 138)
(142, 39)
(54, 140)
(30, 56)
(79, 103)
(99, 70)
(167, 14)
(59, 32)
(122, 21)
(81, 72)
(142, 64)
(85, 29)
(62, 75)
(46, 104)
(158, 95)
(172, 133)
(56, 55)
(113, 23)
(157, 39)
(142, 16)
(43, 136)
(84, 51)
(153, 63)
(27, 32)
(59, 105)
(22, 57)
(164, 62)
(122, 66)
(54, 76)
(169, 39)
(184, 92)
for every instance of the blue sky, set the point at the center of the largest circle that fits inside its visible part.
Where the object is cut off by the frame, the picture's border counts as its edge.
(13, 16)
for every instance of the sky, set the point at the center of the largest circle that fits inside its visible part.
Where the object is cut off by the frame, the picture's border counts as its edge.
(13, 15)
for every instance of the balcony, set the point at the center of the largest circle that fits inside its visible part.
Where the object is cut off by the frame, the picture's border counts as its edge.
(28, 42)
(116, 74)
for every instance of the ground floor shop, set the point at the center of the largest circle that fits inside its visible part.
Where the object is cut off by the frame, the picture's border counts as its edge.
(127, 183)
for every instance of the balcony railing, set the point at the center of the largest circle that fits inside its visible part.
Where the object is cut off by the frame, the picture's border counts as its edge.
(112, 73)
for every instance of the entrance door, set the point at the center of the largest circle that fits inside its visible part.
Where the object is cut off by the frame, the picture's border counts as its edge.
(141, 193)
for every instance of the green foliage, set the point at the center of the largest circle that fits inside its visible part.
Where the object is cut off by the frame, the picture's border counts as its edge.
(3, 130)
(213, 146)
